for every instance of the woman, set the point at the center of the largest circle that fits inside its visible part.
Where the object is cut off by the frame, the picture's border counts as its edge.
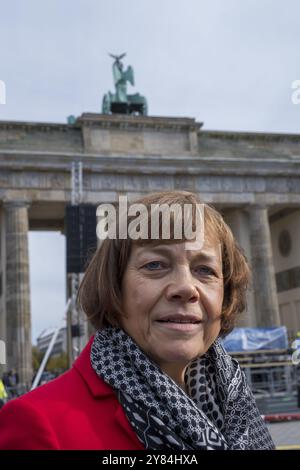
(155, 375)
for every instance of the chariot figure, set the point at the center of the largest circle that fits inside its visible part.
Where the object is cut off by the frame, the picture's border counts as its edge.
(120, 102)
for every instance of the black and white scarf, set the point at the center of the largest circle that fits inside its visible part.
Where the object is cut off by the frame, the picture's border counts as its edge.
(219, 411)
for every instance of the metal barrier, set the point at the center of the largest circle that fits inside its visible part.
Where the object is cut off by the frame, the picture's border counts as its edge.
(269, 372)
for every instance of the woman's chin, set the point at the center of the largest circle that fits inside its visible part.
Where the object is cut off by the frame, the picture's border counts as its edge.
(180, 356)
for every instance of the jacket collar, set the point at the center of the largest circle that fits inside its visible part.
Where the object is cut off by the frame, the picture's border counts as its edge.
(83, 365)
(100, 389)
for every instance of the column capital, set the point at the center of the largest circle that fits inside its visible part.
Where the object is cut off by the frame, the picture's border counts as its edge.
(256, 206)
(15, 203)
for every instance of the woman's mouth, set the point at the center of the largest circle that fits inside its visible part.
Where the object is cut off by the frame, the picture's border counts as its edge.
(180, 325)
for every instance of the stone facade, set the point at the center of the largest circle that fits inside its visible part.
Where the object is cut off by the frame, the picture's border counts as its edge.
(250, 177)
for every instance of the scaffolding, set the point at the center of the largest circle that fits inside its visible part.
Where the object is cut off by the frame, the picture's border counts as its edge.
(270, 373)
(77, 327)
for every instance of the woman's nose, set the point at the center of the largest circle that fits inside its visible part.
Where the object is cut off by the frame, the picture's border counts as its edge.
(182, 287)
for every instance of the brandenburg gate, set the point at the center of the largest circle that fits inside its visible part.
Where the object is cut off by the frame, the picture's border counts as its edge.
(253, 178)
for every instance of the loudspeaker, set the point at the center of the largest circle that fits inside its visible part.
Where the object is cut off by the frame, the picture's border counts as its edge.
(81, 236)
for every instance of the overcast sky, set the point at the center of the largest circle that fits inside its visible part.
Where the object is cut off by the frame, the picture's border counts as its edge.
(227, 63)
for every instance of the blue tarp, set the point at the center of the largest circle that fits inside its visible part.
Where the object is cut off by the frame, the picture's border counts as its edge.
(254, 339)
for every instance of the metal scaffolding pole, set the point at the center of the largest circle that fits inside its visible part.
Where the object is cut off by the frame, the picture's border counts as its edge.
(50, 347)
(74, 319)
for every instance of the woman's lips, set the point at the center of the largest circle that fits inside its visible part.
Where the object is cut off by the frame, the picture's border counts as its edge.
(180, 326)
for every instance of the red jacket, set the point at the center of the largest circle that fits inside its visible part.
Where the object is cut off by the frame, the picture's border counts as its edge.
(78, 410)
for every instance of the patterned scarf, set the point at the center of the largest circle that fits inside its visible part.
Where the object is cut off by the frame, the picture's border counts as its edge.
(219, 411)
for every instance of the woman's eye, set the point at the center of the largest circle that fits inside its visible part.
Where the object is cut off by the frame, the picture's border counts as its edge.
(153, 265)
(206, 270)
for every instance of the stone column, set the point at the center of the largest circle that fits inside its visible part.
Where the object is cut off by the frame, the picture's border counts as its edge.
(18, 321)
(266, 302)
(2, 294)
(238, 221)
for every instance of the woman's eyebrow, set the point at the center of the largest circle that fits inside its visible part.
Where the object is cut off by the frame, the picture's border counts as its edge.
(152, 249)
(206, 257)
(164, 250)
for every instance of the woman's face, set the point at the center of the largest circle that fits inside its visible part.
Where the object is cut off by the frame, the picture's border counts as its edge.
(172, 300)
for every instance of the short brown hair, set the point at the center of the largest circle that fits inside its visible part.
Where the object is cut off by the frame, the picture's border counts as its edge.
(100, 296)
